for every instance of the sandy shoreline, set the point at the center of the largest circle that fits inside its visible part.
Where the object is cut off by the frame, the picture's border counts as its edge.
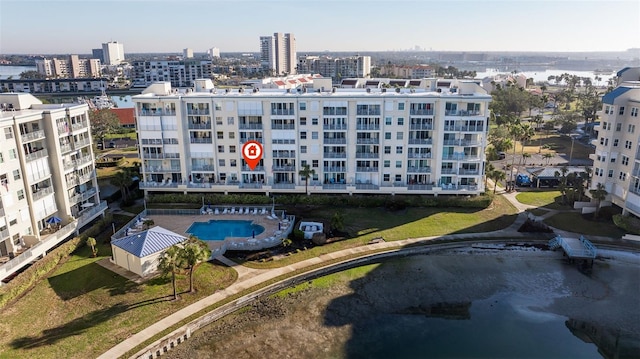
(322, 322)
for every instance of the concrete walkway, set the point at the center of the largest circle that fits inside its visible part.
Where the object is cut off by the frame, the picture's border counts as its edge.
(248, 277)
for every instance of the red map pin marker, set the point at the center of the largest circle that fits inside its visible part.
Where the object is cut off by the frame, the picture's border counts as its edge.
(252, 153)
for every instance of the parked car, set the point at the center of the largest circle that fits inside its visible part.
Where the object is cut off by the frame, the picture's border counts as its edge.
(112, 144)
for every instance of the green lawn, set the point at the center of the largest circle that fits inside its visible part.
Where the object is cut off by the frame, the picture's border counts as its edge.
(82, 309)
(547, 199)
(367, 223)
(575, 222)
(130, 135)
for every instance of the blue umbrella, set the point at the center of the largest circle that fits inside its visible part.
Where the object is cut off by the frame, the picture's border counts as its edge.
(53, 220)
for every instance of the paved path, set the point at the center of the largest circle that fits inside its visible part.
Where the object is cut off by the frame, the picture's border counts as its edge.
(248, 277)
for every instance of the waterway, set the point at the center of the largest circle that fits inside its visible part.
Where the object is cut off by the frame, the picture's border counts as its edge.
(539, 76)
(467, 303)
(15, 71)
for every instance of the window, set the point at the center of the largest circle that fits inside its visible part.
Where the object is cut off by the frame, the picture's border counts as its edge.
(606, 142)
(613, 160)
(387, 163)
(1, 158)
(400, 106)
(221, 163)
(387, 149)
(314, 121)
(220, 149)
(607, 109)
(232, 135)
(220, 135)
(314, 163)
(604, 159)
(233, 163)
(625, 160)
(8, 133)
(232, 149)
(609, 126)
(604, 125)
(303, 163)
(20, 194)
(303, 135)
(399, 149)
(602, 140)
(387, 121)
(303, 106)
(610, 175)
(303, 149)
(218, 107)
(230, 120)
(400, 121)
(314, 135)
(387, 135)
(386, 177)
(398, 164)
(627, 145)
(398, 178)
(621, 111)
(618, 126)
(615, 142)
(16, 174)
(12, 154)
(399, 135)
(13, 222)
(303, 121)
(622, 176)
(631, 128)
(634, 112)
(219, 121)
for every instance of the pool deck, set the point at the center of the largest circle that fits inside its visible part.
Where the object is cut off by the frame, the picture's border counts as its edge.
(179, 224)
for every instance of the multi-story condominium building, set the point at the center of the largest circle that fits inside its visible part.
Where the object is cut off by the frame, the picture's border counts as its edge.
(47, 177)
(393, 141)
(98, 54)
(336, 68)
(179, 73)
(213, 53)
(616, 160)
(278, 53)
(113, 53)
(73, 67)
(410, 72)
(54, 85)
(187, 53)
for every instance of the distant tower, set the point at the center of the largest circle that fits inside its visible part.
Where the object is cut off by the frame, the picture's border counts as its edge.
(113, 53)
(213, 52)
(278, 53)
(187, 53)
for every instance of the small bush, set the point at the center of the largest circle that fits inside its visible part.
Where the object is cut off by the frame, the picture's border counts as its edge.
(628, 223)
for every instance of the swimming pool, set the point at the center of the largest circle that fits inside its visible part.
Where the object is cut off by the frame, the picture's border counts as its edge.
(218, 230)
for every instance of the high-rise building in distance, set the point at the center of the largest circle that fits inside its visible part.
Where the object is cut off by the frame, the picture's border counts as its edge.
(278, 53)
(113, 53)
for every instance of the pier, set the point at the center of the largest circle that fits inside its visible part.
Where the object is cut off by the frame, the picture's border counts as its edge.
(575, 248)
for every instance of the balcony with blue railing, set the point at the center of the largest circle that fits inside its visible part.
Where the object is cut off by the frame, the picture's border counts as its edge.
(200, 140)
(455, 128)
(421, 141)
(418, 155)
(203, 168)
(197, 112)
(421, 112)
(460, 142)
(334, 155)
(468, 172)
(449, 171)
(42, 153)
(462, 113)
(246, 139)
(256, 168)
(250, 126)
(368, 141)
(335, 126)
(368, 127)
(284, 168)
(367, 169)
(421, 126)
(419, 169)
(32, 136)
(334, 141)
(334, 169)
(367, 155)
(199, 125)
(283, 112)
(283, 126)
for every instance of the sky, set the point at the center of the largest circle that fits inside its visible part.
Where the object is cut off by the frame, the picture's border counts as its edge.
(77, 26)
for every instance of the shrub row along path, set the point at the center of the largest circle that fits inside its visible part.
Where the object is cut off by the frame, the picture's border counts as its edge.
(249, 277)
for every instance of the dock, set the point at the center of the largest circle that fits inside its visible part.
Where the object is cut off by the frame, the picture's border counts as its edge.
(575, 248)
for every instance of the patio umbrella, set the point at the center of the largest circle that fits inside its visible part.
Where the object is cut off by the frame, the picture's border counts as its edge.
(53, 220)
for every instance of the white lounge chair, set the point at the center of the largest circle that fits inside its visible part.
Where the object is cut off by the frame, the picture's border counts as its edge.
(209, 211)
(255, 211)
(264, 211)
(246, 210)
(216, 212)
(226, 210)
(233, 210)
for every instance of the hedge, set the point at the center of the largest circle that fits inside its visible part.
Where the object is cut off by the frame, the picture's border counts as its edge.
(629, 224)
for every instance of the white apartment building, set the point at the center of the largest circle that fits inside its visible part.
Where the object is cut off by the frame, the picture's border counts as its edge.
(187, 53)
(213, 53)
(113, 53)
(336, 68)
(616, 160)
(73, 67)
(278, 53)
(398, 141)
(179, 73)
(47, 170)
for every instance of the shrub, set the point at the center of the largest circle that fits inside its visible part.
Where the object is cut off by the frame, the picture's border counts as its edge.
(628, 223)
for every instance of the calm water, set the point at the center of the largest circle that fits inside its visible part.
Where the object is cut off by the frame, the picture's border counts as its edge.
(218, 230)
(544, 75)
(15, 71)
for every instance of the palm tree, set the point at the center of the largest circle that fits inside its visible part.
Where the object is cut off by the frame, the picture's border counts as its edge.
(306, 172)
(193, 253)
(169, 263)
(563, 182)
(91, 242)
(122, 180)
(524, 158)
(496, 176)
(548, 156)
(599, 194)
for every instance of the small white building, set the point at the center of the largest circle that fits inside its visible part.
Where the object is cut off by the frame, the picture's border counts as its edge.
(140, 253)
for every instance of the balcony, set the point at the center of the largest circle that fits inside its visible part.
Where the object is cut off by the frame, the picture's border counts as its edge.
(419, 169)
(200, 126)
(421, 126)
(420, 187)
(468, 172)
(421, 141)
(86, 177)
(479, 128)
(157, 112)
(38, 154)
(365, 186)
(81, 143)
(160, 169)
(283, 185)
(368, 141)
(32, 136)
(203, 168)
(79, 126)
(334, 169)
(449, 171)
(368, 112)
(66, 148)
(283, 112)
(255, 169)
(284, 154)
(334, 155)
(69, 165)
(250, 185)
(42, 192)
(462, 113)
(339, 127)
(246, 139)
(367, 155)
(200, 140)
(334, 186)
(250, 126)
(369, 127)
(460, 157)
(197, 112)
(288, 126)
(460, 142)
(334, 112)
(334, 141)
(418, 155)
(284, 168)
(420, 112)
(367, 169)
(2, 213)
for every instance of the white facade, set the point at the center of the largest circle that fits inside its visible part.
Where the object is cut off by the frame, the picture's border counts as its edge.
(336, 68)
(73, 67)
(187, 53)
(213, 52)
(179, 73)
(411, 141)
(47, 169)
(278, 53)
(616, 161)
(113, 53)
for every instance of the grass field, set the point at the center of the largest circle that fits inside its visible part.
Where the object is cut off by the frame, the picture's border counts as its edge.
(548, 199)
(575, 222)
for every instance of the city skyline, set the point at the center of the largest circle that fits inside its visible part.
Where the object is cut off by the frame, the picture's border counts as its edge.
(55, 27)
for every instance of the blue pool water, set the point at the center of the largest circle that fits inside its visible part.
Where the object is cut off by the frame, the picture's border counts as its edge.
(218, 230)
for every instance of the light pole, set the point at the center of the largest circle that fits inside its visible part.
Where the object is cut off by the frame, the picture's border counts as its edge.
(571, 152)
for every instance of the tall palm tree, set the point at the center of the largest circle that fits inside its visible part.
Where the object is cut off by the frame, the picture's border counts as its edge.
(548, 156)
(91, 242)
(169, 263)
(524, 158)
(193, 253)
(306, 172)
(599, 194)
(496, 176)
(122, 179)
